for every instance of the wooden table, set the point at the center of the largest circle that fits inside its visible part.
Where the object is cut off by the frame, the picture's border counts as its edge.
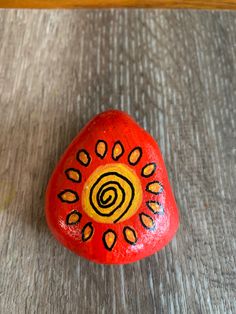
(175, 73)
(194, 4)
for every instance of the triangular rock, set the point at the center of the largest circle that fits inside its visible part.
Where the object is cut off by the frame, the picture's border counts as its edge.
(109, 198)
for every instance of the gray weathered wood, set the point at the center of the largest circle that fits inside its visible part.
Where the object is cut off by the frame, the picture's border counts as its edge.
(175, 73)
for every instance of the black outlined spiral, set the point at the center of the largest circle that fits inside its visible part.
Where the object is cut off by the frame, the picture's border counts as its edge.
(111, 192)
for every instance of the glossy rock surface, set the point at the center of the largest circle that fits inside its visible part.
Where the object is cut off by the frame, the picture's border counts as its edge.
(109, 198)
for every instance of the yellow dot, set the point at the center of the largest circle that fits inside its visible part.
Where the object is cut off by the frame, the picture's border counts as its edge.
(68, 196)
(109, 239)
(101, 148)
(155, 207)
(147, 221)
(83, 157)
(73, 218)
(130, 235)
(73, 175)
(154, 187)
(117, 151)
(135, 156)
(87, 232)
(148, 170)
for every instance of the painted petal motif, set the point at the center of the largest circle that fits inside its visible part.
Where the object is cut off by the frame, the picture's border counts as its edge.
(101, 149)
(73, 218)
(83, 157)
(87, 232)
(148, 170)
(68, 196)
(109, 239)
(117, 151)
(154, 187)
(155, 207)
(73, 175)
(147, 221)
(135, 155)
(130, 235)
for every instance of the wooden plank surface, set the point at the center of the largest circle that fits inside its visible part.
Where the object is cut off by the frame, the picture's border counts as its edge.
(194, 4)
(174, 72)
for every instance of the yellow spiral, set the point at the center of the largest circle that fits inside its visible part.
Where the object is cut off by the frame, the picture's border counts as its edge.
(112, 193)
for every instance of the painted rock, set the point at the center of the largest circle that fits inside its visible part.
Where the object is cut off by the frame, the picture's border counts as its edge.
(109, 198)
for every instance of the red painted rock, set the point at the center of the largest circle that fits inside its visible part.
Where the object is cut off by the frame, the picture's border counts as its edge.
(109, 198)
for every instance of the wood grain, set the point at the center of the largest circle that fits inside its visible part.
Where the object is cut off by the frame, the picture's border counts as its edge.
(194, 4)
(174, 72)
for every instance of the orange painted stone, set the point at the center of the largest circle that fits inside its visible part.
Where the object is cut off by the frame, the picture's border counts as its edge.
(109, 198)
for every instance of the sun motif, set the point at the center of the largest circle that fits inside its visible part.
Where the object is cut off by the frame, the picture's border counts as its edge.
(112, 193)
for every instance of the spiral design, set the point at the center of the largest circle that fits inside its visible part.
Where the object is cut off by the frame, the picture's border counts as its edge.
(114, 193)
(111, 192)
